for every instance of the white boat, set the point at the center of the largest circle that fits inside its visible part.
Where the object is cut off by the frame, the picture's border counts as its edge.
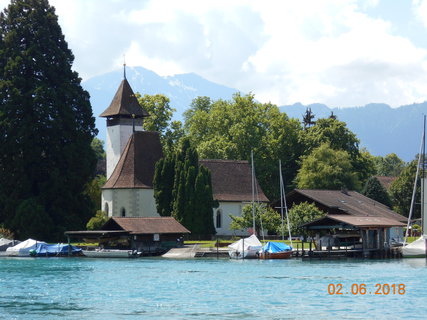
(417, 249)
(24, 248)
(247, 248)
(108, 253)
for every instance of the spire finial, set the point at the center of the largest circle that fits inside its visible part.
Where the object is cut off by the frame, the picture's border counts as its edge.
(124, 66)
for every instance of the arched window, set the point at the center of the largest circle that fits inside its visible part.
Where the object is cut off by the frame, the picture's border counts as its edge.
(218, 218)
(123, 212)
(106, 209)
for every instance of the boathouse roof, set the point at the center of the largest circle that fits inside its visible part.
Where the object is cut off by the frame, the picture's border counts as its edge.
(232, 181)
(124, 104)
(341, 220)
(345, 204)
(135, 168)
(139, 225)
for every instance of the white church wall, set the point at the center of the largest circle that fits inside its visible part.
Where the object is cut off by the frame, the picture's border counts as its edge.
(225, 209)
(129, 202)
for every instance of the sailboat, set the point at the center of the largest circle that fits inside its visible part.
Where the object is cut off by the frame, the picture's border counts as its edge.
(279, 250)
(247, 248)
(417, 249)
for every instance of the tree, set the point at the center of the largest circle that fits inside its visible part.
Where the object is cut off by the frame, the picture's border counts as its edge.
(303, 213)
(390, 165)
(98, 147)
(265, 218)
(94, 192)
(307, 119)
(183, 189)
(96, 222)
(326, 168)
(158, 107)
(231, 129)
(339, 137)
(46, 126)
(374, 190)
(401, 191)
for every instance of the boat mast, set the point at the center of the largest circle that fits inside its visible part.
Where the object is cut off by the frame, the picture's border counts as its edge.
(414, 191)
(283, 204)
(253, 192)
(281, 198)
(424, 185)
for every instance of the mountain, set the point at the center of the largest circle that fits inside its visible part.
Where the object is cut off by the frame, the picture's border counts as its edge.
(380, 128)
(180, 89)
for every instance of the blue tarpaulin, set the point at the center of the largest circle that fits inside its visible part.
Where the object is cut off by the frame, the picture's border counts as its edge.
(274, 247)
(43, 249)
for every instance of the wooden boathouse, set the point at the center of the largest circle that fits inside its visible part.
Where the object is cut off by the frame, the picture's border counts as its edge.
(147, 236)
(353, 225)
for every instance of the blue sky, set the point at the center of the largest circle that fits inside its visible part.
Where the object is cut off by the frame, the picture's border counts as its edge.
(342, 53)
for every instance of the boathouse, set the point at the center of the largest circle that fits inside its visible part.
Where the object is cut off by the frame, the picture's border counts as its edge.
(146, 235)
(350, 219)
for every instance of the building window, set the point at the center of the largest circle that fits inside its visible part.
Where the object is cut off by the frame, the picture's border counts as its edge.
(218, 218)
(106, 209)
(123, 212)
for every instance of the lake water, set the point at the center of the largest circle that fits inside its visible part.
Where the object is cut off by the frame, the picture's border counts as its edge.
(82, 288)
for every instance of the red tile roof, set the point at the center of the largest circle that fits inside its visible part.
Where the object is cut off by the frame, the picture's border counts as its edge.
(135, 168)
(231, 180)
(124, 103)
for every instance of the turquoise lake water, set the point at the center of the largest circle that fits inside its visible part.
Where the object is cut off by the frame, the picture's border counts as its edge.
(82, 288)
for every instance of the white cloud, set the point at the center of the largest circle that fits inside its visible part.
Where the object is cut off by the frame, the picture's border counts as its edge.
(328, 51)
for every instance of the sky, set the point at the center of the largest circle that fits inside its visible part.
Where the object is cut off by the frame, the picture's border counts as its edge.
(342, 53)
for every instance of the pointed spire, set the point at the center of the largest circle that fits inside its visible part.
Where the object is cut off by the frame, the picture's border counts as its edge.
(124, 67)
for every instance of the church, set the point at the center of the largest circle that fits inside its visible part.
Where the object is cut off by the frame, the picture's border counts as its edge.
(132, 153)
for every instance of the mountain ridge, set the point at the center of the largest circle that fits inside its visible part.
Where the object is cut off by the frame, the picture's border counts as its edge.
(380, 128)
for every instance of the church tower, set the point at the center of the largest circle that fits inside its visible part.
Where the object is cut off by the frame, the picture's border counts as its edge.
(124, 116)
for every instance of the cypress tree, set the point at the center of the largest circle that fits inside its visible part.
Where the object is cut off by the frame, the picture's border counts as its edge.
(184, 189)
(374, 190)
(46, 125)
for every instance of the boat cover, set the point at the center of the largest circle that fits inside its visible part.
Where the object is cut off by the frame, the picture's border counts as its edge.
(23, 249)
(274, 247)
(250, 243)
(415, 249)
(6, 243)
(43, 249)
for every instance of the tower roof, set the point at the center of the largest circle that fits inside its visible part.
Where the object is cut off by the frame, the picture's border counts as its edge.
(135, 168)
(124, 104)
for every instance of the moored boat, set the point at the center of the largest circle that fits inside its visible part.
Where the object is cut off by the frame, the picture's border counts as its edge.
(108, 253)
(247, 248)
(276, 250)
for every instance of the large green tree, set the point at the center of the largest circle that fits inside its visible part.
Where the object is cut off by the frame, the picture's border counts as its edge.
(374, 190)
(46, 126)
(326, 168)
(401, 191)
(160, 120)
(231, 129)
(339, 137)
(390, 165)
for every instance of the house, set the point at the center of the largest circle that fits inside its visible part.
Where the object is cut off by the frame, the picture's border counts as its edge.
(132, 154)
(352, 215)
(232, 188)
